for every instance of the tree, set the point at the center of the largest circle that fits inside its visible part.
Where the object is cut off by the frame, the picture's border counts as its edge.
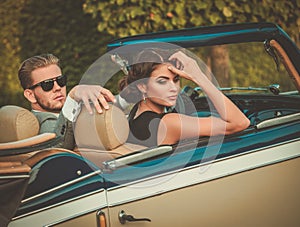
(32, 27)
(10, 49)
(131, 17)
(61, 27)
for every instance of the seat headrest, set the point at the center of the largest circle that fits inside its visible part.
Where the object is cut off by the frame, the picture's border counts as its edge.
(105, 131)
(17, 123)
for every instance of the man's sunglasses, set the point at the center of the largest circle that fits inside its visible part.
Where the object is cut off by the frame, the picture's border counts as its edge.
(47, 85)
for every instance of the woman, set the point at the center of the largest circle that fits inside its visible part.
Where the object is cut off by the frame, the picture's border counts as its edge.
(155, 82)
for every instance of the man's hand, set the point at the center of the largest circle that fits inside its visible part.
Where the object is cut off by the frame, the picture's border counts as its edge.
(96, 94)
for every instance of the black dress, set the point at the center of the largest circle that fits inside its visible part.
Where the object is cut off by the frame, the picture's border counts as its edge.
(144, 128)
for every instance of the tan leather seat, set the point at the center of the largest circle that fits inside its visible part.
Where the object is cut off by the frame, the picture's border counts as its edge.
(100, 137)
(19, 128)
(17, 123)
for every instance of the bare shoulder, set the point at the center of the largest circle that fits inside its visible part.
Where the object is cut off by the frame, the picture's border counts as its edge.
(174, 121)
(172, 118)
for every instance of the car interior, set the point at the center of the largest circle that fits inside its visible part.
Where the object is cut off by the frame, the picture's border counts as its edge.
(108, 132)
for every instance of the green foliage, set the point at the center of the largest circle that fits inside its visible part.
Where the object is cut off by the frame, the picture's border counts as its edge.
(260, 71)
(9, 51)
(77, 30)
(34, 27)
(131, 17)
(60, 27)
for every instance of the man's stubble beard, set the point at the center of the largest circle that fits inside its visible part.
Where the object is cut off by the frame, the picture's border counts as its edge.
(48, 107)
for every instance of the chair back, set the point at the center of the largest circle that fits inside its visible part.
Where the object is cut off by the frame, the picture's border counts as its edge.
(17, 123)
(105, 131)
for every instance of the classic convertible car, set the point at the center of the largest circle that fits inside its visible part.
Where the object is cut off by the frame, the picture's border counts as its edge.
(245, 179)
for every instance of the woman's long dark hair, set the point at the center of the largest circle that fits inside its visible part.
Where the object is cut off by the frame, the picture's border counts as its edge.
(139, 72)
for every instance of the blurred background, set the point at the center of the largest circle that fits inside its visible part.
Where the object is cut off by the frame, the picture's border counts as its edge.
(77, 31)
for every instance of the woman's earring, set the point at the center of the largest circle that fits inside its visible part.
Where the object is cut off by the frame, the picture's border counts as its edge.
(144, 98)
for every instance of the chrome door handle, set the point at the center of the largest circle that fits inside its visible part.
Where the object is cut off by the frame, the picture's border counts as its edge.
(123, 217)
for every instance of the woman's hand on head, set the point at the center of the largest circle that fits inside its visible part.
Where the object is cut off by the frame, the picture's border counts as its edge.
(190, 69)
(95, 94)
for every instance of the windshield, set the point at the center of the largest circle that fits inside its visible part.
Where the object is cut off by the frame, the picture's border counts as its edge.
(244, 67)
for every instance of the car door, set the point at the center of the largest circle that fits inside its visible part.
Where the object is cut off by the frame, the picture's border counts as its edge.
(248, 189)
(64, 189)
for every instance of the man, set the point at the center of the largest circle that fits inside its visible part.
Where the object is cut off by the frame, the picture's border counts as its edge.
(45, 88)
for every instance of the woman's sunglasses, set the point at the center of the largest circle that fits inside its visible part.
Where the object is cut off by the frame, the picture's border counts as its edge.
(47, 85)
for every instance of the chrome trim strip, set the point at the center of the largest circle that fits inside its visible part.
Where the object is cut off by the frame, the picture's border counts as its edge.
(73, 217)
(278, 121)
(58, 204)
(65, 211)
(62, 186)
(127, 160)
(14, 177)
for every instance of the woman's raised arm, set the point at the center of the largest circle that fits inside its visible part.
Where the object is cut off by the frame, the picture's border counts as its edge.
(231, 118)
